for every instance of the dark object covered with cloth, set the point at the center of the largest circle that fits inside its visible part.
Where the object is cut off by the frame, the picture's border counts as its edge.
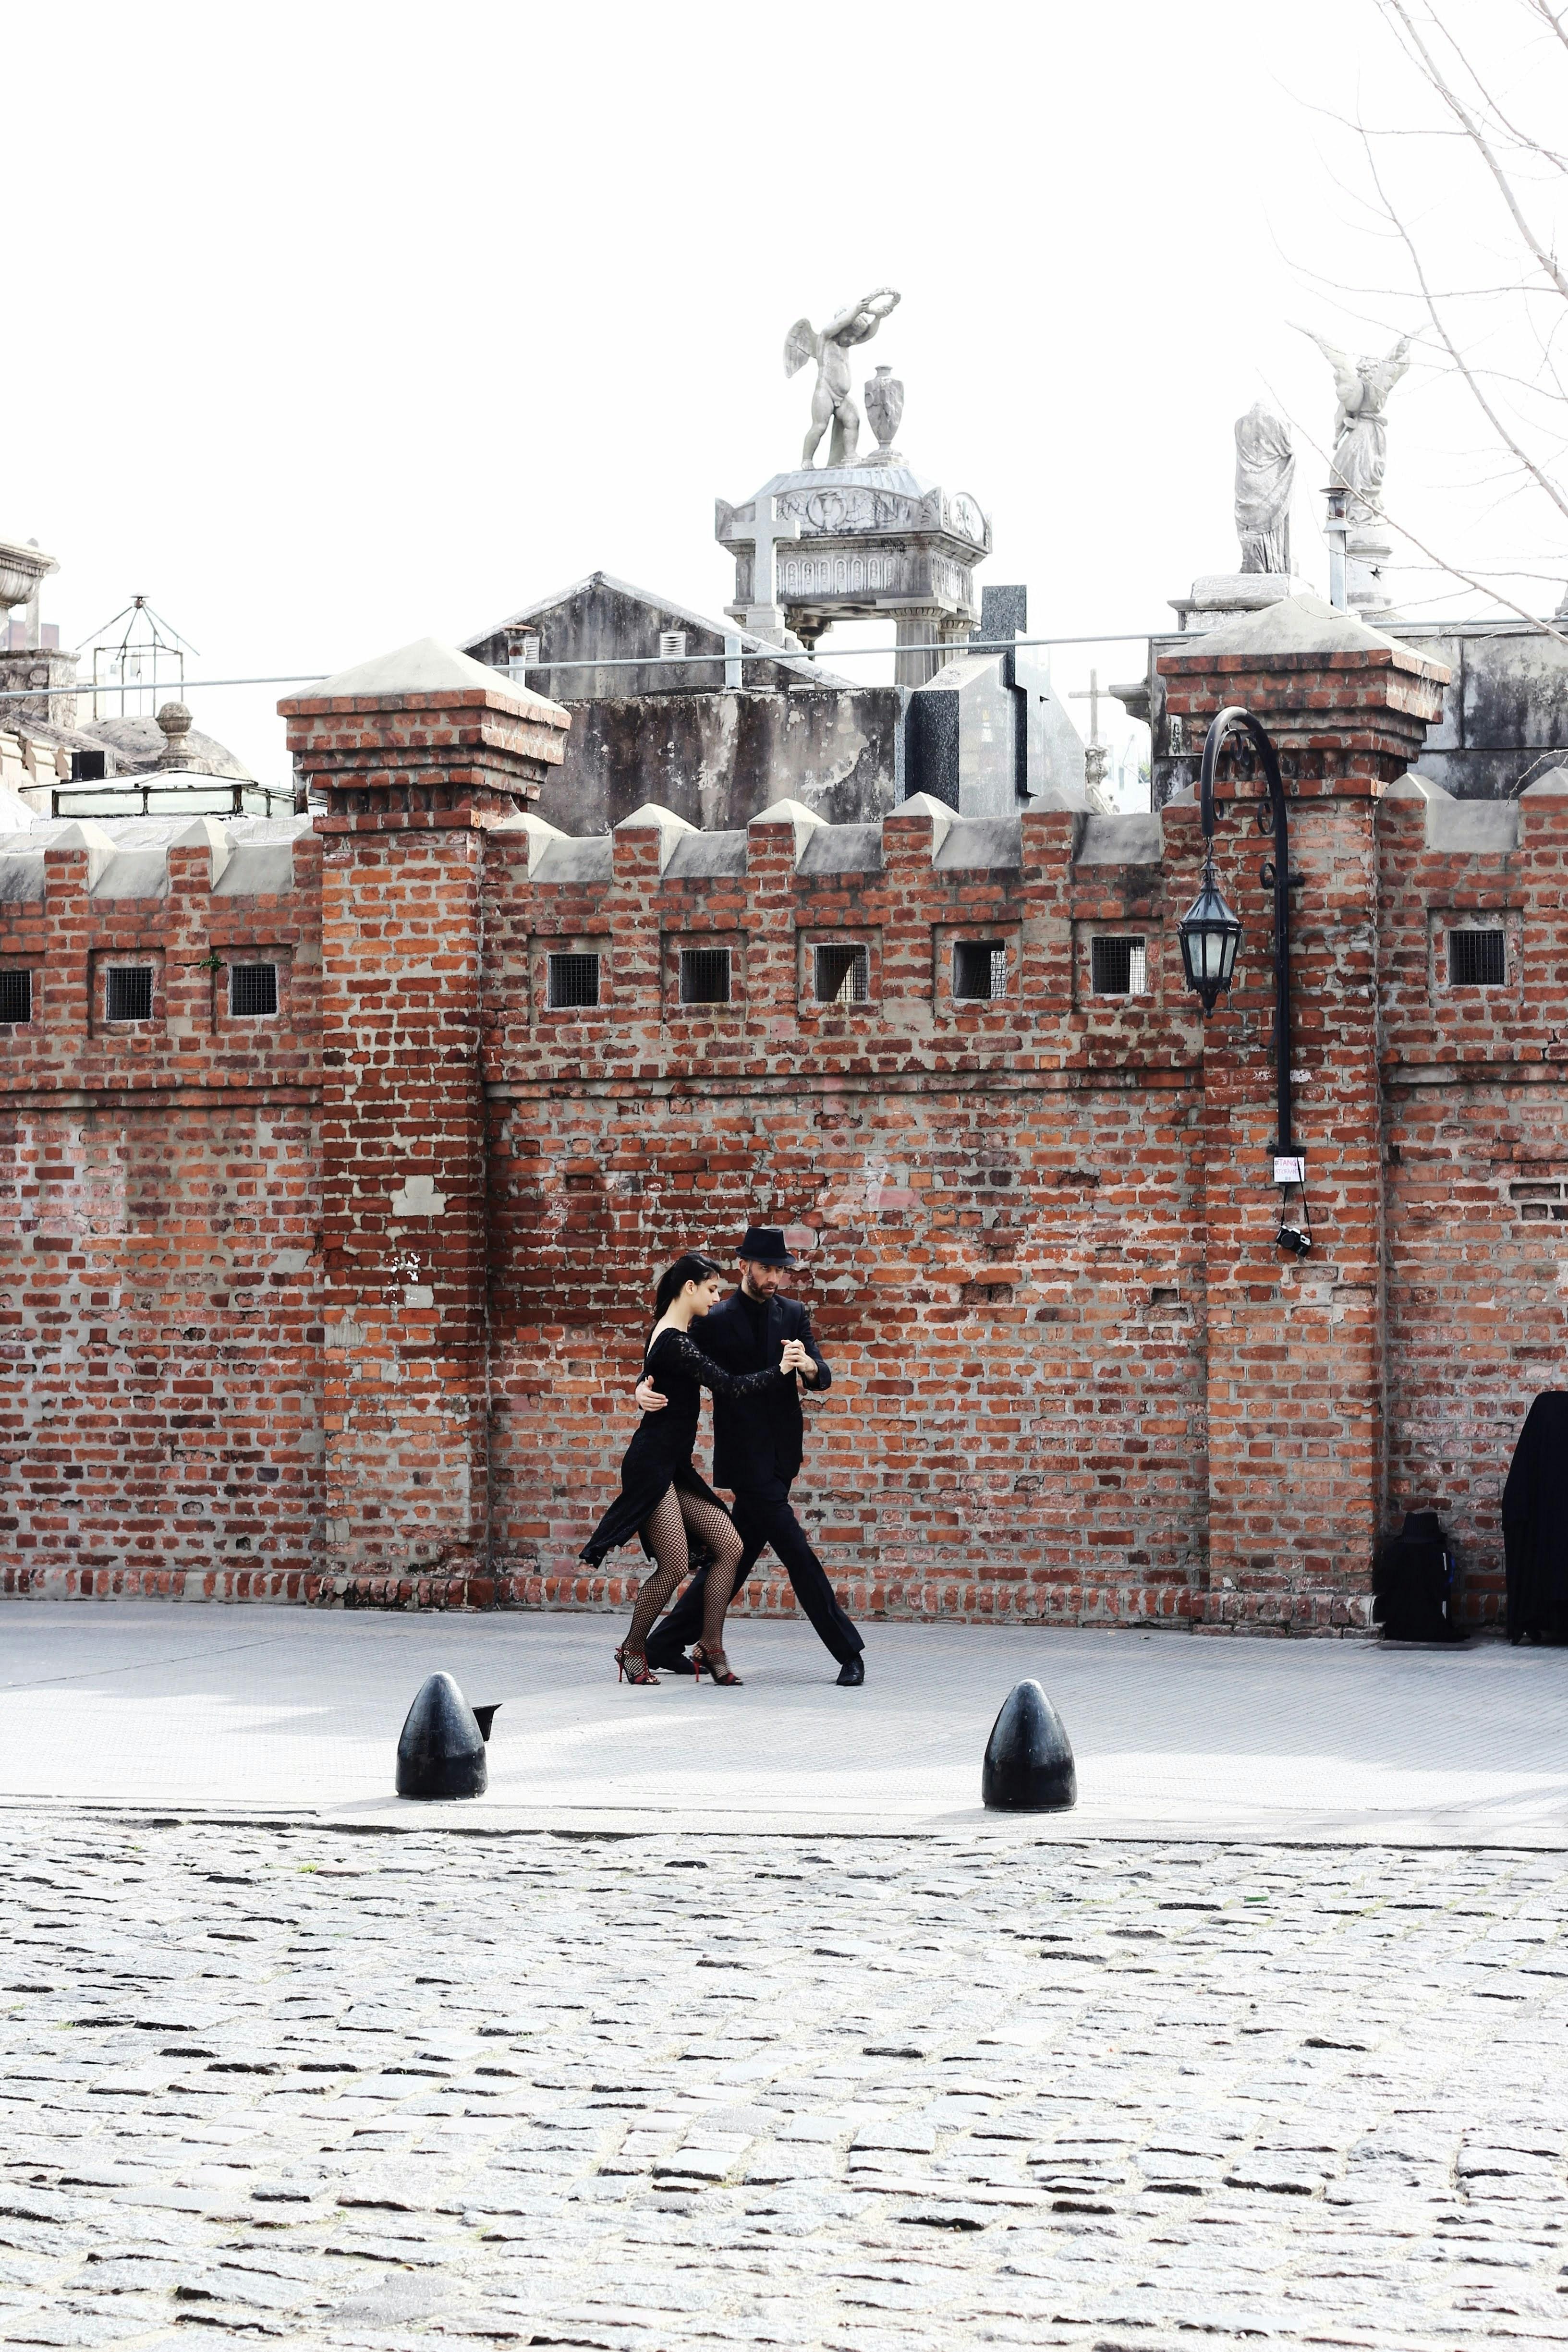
(1535, 1523)
(1416, 1584)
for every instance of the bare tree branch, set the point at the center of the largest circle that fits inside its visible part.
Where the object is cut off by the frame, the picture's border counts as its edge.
(1546, 261)
(1467, 371)
(1439, 562)
(1553, 24)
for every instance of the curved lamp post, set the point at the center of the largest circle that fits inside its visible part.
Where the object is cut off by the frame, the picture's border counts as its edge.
(1210, 931)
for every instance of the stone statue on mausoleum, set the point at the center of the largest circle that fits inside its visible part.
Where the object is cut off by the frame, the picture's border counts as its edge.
(862, 537)
(1358, 463)
(830, 401)
(1361, 425)
(1265, 479)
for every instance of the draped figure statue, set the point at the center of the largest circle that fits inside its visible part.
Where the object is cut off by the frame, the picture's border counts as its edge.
(1265, 478)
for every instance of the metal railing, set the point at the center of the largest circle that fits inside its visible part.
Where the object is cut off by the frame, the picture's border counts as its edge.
(219, 796)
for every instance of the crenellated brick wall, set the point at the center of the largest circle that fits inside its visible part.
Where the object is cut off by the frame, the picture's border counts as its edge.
(348, 1305)
(161, 1424)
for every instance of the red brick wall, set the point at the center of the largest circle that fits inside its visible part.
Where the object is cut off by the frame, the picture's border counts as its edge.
(161, 1424)
(996, 1212)
(1074, 1376)
(1475, 1152)
(412, 780)
(1295, 1350)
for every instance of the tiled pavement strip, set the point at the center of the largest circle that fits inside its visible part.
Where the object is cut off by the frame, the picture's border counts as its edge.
(329, 2088)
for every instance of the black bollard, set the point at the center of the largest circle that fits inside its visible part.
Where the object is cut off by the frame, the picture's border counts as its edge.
(440, 1752)
(1029, 1765)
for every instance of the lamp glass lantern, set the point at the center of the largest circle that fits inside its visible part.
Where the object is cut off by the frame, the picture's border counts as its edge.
(1210, 933)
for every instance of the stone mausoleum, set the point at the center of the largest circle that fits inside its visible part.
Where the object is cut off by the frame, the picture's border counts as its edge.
(339, 1151)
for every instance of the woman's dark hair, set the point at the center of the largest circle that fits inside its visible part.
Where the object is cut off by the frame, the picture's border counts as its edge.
(693, 1267)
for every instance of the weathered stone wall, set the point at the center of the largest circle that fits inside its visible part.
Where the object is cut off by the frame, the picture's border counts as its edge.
(681, 733)
(719, 759)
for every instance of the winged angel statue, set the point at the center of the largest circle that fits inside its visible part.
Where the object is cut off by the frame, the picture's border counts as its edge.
(830, 401)
(1361, 429)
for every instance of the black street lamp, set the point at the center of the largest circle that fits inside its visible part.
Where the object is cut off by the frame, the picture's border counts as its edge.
(1210, 931)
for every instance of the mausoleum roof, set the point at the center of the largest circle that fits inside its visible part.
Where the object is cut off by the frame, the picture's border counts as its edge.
(139, 744)
(665, 607)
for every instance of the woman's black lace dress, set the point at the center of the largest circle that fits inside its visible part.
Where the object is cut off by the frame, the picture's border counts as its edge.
(660, 1456)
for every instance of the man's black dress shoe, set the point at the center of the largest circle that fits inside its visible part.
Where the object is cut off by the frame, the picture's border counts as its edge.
(852, 1674)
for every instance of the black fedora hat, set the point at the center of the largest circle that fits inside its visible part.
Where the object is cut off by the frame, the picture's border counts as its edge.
(765, 1245)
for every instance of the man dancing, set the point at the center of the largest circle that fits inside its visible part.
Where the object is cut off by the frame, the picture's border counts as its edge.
(758, 1443)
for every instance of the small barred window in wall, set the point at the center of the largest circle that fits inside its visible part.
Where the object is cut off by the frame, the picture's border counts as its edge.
(15, 995)
(252, 991)
(705, 975)
(671, 645)
(979, 970)
(1118, 967)
(1477, 959)
(128, 992)
(574, 982)
(843, 975)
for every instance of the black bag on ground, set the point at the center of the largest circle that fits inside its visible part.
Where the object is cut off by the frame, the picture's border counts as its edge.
(1416, 1584)
(1535, 1523)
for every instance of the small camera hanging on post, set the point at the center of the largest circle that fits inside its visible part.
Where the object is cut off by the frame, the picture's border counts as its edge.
(1295, 1232)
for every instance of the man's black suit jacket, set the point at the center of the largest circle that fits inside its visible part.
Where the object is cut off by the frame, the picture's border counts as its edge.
(758, 1440)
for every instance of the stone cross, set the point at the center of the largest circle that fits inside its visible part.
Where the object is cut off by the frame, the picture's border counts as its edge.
(1091, 695)
(1096, 757)
(768, 527)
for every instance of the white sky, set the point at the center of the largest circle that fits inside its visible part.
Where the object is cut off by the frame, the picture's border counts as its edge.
(355, 323)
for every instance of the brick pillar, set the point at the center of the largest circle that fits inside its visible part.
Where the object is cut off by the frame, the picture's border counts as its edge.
(418, 755)
(1297, 1474)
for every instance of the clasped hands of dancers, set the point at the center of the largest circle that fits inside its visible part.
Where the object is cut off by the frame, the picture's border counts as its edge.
(756, 1349)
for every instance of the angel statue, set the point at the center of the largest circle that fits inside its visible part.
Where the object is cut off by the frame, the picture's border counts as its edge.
(1361, 429)
(830, 401)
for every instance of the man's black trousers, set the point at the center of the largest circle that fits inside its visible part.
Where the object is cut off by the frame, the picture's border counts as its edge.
(762, 1518)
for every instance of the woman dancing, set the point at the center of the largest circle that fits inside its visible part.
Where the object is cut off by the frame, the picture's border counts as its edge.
(662, 1498)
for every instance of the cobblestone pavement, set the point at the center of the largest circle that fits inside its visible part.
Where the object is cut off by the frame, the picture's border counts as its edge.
(300, 2084)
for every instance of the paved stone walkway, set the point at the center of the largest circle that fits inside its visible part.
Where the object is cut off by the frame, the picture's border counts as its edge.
(296, 1711)
(300, 2084)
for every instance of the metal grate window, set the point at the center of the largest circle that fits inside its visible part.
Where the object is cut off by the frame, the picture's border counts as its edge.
(705, 975)
(15, 995)
(671, 645)
(128, 992)
(1118, 967)
(1477, 959)
(979, 970)
(574, 982)
(252, 990)
(843, 975)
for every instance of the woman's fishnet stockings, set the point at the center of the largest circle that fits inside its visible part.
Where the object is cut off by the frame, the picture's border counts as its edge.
(666, 1528)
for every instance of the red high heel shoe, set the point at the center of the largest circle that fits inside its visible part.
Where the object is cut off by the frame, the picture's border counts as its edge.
(632, 1666)
(701, 1658)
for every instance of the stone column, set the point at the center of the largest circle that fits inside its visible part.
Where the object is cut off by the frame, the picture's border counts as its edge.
(927, 625)
(1295, 1380)
(418, 754)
